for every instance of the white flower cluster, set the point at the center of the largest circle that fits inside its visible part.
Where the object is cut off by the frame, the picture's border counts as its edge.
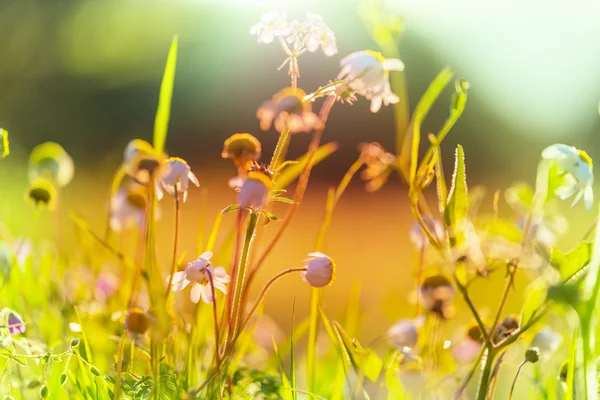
(297, 36)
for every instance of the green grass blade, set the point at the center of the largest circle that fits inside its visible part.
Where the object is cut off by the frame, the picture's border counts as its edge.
(292, 358)
(163, 113)
(570, 393)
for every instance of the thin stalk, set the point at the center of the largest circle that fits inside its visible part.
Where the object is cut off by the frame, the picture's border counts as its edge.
(420, 265)
(473, 309)
(487, 373)
(175, 242)
(280, 149)
(239, 284)
(512, 388)
(588, 339)
(216, 321)
(509, 284)
(472, 371)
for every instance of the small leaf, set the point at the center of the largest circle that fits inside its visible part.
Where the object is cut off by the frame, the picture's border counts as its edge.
(44, 391)
(229, 208)
(163, 113)
(286, 164)
(63, 379)
(94, 371)
(458, 199)
(535, 299)
(572, 263)
(283, 200)
(270, 216)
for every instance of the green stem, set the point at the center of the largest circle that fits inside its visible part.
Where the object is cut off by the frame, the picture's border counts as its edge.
(588, 339)
(313, 330)
(487, 374)
(280, 149)
(175, 242)
(241, 272)
(512, 388)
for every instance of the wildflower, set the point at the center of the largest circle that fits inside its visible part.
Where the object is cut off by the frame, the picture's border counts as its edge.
(13, 321)
(379, 165)
(367, 73)
(175, 178)
(467, 349)
(42, 193)
(128, 207)
(547, 341)
(320, 270)
(417, 236)
(4, 146)
(141, 161)
(200, 272)
(404, 333)
(437, 294)
(51, 162)
(532, 355)
(242, 149)
(288, 109)
(312, 34)
(273, 24)
(577, 168)
(254, 190)
(137, 322)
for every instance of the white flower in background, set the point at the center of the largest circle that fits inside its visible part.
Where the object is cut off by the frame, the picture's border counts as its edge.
(320, 270)
(577, 168)
(404, 333)
(547, 341)
(418, 237)
(466, 351)
(288, 109)
(175, 178)
(141, 161)
(312, 34)
(199, 273)
(367, 73)
(273, 24)
(128, 207)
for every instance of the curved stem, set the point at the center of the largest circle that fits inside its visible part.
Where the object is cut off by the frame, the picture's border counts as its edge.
(509, 284)
(474, 368)
(280, 149)
(175, 242)
(512, 388)
(420, 265)
(117, 389)
(263, 293)
(216, 321)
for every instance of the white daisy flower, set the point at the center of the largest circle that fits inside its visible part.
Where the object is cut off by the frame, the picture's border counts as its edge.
(176, 175)
(547, 341)
(320, 270)
(273, 24)
(141, 161)
(367, 73)
(312, 34)
(51, 162)
(199, 273)
(577, 168)
(253, 192)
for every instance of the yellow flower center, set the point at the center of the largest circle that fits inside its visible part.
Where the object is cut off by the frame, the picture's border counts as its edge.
(137, 199)
(584, 156)
(261, 177)
(377, 55)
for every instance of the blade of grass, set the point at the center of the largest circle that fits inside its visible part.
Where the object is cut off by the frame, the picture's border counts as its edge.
(292, 359)
(163, 113)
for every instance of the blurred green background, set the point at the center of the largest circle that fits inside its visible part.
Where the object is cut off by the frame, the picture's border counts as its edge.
(87, 75)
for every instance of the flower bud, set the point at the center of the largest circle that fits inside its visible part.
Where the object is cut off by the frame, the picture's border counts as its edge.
(437, 294)
(242, 149)
(254, 193)
(51, 162)
(403, 333)
(137, 322)
(320, 270)
(532, 355)
(42, 193)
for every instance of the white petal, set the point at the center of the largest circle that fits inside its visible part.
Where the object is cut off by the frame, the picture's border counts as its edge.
(376, 104)
(207, 255)
(393, 64)
(588, 197)
(195, 293)
(558, 151)
(193, 179)
(180, 285)
(206, 294)
(177, 277)
(565, 191)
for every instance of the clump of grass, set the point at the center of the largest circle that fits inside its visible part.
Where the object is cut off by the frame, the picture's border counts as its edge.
(156, 344)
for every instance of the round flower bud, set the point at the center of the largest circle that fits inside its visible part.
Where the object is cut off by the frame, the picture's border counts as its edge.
(51, 162)
(532, 355)
(437, 294)
(42, 193)
(564, 371)
(242, 148)
(320, 270)
(75, 342)
(506, 328)
(137, 322)
(254, 192)
(403, 333)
